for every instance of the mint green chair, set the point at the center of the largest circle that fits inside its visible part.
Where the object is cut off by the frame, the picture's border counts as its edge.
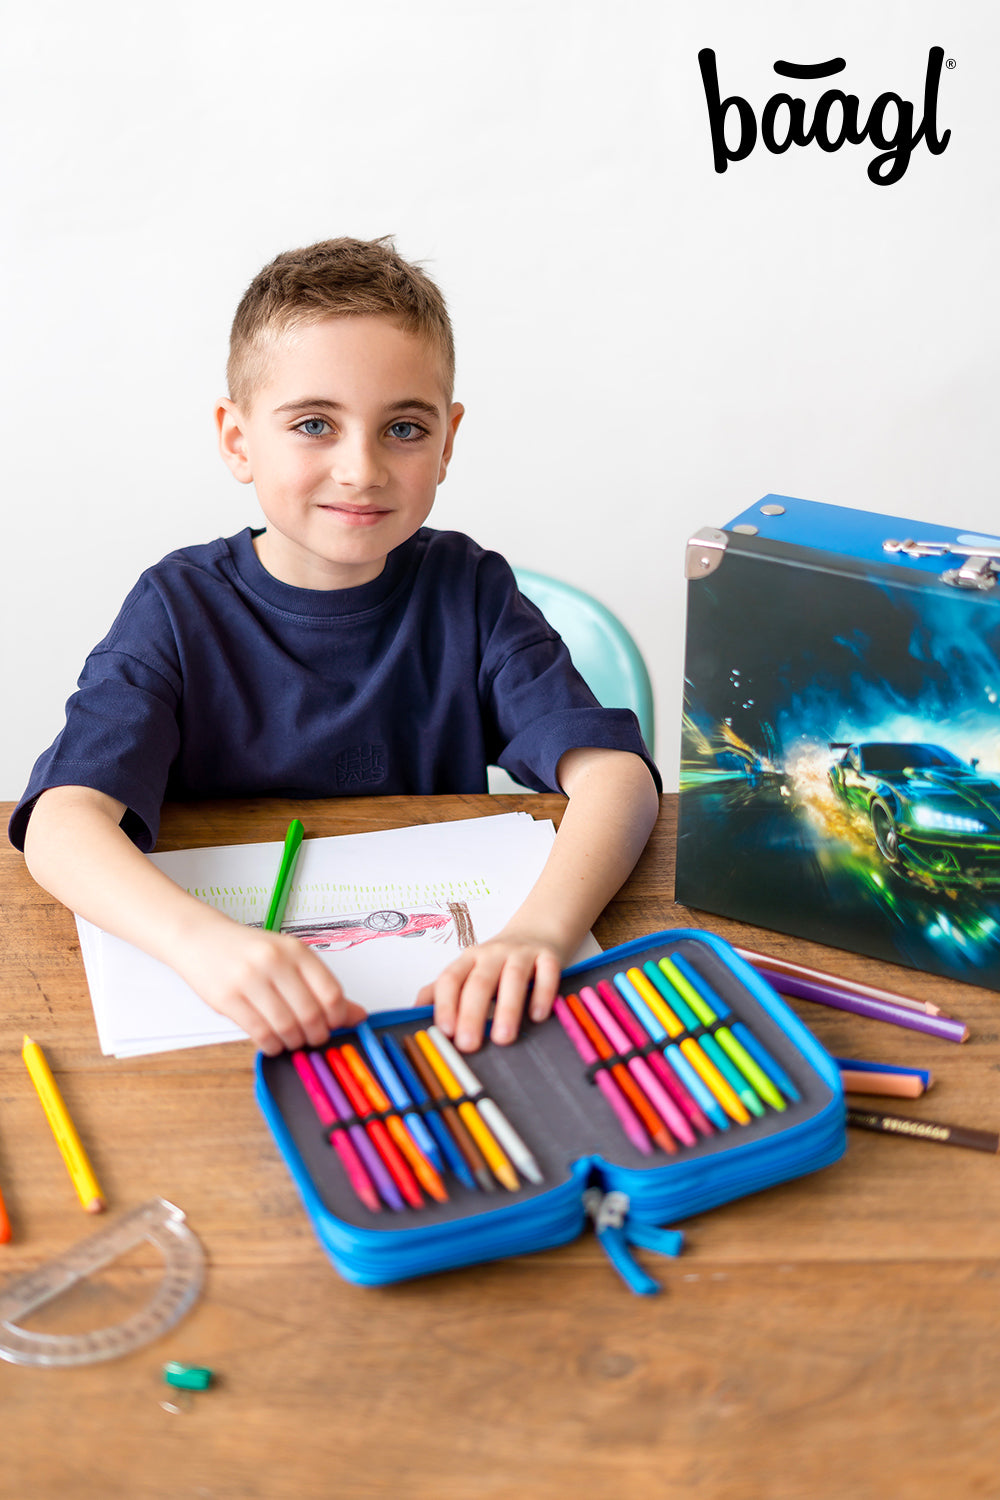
(603, 652)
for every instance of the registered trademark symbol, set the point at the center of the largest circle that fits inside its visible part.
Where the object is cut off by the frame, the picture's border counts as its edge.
(951, 63)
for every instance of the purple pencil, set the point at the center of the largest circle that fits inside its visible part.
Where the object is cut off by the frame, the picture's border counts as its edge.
(630, 1122)
(338, 1102)
(875, 1010)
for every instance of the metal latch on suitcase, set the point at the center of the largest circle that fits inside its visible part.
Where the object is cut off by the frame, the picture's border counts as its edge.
(979, 571)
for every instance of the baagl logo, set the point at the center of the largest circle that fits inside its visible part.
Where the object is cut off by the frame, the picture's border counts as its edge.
(836, 118)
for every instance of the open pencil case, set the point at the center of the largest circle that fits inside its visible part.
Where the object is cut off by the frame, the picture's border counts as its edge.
(587, 1167)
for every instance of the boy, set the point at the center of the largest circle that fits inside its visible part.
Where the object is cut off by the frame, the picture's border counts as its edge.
(343, 648)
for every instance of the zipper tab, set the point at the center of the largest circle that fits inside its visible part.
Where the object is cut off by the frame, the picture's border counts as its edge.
(608, 1212)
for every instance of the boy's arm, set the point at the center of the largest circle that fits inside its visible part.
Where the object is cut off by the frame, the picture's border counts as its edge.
(613, 805)
(271, 985)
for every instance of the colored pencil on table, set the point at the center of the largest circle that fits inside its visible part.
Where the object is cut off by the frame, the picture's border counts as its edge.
(627, 1118)
(890, 1085)
(874, 1010)
(69, 1143)
(925, 1130)
(5, 1230)
(850, 986)
(356, 1174)
(474, 1158)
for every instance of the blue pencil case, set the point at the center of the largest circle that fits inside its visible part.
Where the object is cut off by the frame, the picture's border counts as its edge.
(587, 1168)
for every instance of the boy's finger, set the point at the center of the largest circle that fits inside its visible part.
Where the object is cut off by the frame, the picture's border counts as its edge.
(473, 1006)
(511, 992)
(445, 992)
(547, 976)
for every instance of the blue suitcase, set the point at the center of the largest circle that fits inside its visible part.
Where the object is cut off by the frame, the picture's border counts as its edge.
(840, 775)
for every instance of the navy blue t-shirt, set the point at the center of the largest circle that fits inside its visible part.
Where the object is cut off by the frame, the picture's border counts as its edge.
(217, 680)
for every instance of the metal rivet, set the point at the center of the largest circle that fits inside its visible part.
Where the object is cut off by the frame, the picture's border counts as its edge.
(746, 530)
(772, 510)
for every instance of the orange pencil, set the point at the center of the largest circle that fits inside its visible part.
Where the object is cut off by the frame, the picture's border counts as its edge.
(622, 1076)
(4, 1222)
(426, 1175)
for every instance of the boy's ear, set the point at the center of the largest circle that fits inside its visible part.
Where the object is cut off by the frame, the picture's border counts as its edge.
(455, 415)
(232, 440)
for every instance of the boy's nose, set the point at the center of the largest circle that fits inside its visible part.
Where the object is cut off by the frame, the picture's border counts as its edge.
(358, 464)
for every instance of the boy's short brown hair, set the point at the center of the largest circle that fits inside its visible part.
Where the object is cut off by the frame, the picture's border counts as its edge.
(333, 279)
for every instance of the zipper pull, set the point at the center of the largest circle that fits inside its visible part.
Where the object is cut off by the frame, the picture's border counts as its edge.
(608, 1211)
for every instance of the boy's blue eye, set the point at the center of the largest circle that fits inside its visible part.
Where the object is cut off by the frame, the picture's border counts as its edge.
(407, 431)
(313, 427)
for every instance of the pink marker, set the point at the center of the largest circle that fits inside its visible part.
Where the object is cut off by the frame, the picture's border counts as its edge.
(356, 1174)
(656, 1061)
(638, 1067)
(629, 1121)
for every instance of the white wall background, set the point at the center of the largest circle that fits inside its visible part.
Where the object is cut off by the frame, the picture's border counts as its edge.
(645, 347)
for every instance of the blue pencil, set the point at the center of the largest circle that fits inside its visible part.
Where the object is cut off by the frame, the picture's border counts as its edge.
(389, 1080)
(435, 1124)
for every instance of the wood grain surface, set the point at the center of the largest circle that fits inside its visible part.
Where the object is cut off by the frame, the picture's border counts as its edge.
(836, 1338)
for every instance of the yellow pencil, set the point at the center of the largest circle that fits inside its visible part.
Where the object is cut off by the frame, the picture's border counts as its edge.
(69, 1143)
(469, 1115)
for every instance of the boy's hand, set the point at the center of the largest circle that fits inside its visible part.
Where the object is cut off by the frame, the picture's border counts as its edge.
(270, 984)
(509, 966)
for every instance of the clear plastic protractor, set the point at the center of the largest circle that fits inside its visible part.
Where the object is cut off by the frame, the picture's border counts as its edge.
(159, 1222)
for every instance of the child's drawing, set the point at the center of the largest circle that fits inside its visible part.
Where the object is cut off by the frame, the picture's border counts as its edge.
(334, 934)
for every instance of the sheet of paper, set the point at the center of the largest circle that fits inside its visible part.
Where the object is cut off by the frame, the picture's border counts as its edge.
(386, 911)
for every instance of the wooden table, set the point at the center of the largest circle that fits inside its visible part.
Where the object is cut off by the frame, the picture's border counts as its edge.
(835, 1337)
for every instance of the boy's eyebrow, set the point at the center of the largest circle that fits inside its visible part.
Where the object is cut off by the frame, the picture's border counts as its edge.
(411, 403)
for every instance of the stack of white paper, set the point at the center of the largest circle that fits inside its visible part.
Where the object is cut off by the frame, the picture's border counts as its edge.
(387, 911)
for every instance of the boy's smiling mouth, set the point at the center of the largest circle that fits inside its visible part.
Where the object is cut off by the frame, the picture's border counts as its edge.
(355, 515)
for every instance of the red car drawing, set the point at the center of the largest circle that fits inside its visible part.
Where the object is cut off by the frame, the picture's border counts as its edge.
(347, 932)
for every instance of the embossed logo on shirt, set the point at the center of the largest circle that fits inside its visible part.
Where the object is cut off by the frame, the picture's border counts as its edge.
(362, 765)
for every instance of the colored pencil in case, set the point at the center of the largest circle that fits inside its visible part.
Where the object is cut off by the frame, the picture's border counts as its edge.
(383, 1142)
(390, 1081)
(623, 1032)
(729, 1057)
(764, 1060)
(498, 1163)
(702, 1064)
(634, 999)
(851, 986)
(875, 1010)
(492, 1114)
(669, 996)
(474, 1158)
(627, 1118)
(936, 1131)
(450, 1153)
(426, 1175)
(679, 975)
(363, 1144)
(765, 1081)
(624, 1079)
(356, 1174)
